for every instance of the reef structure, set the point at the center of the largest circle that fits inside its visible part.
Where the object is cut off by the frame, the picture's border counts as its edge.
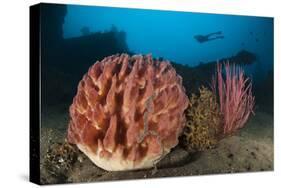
(128, 112)
(220, 112)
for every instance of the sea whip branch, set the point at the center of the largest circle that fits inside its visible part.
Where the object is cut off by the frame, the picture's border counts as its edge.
(235, 96)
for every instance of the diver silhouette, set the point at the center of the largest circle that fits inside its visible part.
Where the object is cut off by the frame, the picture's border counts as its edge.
(209, 37)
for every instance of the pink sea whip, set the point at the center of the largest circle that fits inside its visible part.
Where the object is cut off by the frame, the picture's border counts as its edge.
(235, 96)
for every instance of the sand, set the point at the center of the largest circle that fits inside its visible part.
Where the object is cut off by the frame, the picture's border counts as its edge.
(249, 151)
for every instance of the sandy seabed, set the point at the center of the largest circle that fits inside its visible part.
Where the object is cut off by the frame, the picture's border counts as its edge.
(249, 151)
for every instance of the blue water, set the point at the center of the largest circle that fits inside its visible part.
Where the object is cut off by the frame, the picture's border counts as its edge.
(170, 34)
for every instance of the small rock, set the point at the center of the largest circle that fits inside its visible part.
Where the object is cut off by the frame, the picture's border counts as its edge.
(230, 156)
(80, 159)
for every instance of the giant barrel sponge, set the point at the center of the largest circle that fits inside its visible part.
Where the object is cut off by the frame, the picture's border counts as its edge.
(128, 112)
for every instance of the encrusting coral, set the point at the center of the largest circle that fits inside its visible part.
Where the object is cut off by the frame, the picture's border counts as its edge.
(203, 125)
(128, 112)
